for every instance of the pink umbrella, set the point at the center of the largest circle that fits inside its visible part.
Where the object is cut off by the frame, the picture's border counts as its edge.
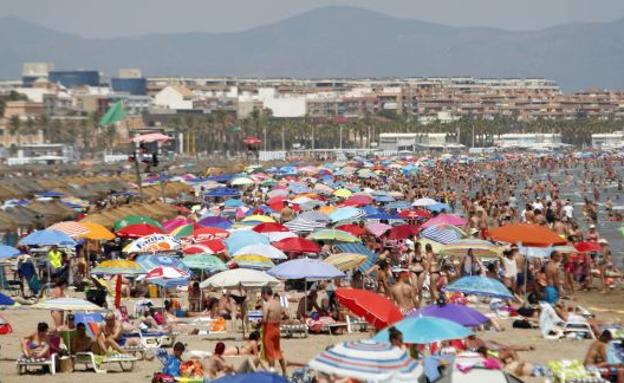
(377, 229)
(445, 219)
(173, 224)
(151, 137)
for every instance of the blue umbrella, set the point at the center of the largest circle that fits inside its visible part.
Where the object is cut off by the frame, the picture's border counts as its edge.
(6, 301)
(222, 192)
(47, 238)
(223, 178)
(169, 283)
(425, 330)
(438, 207)
(384, 216)
(459, 314)
(239, 239)
(370, 210)
(233, 203)
(49, 194)
(148, 262)
(8, 252)
(476, 285)
(253, 377)
(385, 198)
(345, 213)
(444, 234)
(298, 188)
(305, 268)
(399, 205)
(215, 221)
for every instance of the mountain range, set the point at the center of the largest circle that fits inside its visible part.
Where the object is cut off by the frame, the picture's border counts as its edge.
(337, 42)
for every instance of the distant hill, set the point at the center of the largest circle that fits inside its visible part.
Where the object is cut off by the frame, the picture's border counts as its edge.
(338, 42)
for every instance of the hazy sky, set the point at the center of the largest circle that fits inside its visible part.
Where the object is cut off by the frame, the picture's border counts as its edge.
(106, 18)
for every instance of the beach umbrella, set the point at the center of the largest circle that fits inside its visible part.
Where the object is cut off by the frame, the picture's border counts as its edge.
(438, 207)
(233, 203)
(152, 261)
(314, 216)
(346, 261)
(239, 278)
(333, 235)
(342, 193)
(96, 232)
(201, 233)
(588, 247)
(8, 252)
(345, 213)
(252, 377)
(6, 301)
(301, 225)
(138, 230)
(424, 202)
(169, 226)
(222, 192)
(258, 218)
(278, 192)
(374, 308)
(241, 181)
(444, 234)
(358, 200)
(241, 238)
(305, 268)
(425, 330)
(445, 219)
(135, 220)
(480, 248)
(204, 262)
(153, 244)
(215, 221)
(118, 266)
(71, 228)
(454, 312)
(212, 246)
(151, 137)
(537, 252)
(167, 276)
(270, 227)
(378, 229)
(251, 261)
(402, 232)
(482, 286)
(414, 214)
(353, 229)
(369, 361)
(47, 238)
(528, 234)
(67, 304)
(297, 245)
(265, 250)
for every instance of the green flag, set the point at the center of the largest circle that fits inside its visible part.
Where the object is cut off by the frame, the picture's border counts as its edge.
(235, 128)
(114, 114)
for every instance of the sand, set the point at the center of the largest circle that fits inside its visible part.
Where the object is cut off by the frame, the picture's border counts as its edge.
(301, 350)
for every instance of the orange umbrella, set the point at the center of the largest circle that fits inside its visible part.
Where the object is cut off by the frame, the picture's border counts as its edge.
(528, 234)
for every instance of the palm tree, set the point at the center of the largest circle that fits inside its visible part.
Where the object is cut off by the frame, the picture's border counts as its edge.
(15, 127)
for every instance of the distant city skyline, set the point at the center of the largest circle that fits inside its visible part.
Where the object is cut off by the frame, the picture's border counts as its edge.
(94, 18)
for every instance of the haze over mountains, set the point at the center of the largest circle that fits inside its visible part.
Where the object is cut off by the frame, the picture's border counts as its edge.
(338, 42)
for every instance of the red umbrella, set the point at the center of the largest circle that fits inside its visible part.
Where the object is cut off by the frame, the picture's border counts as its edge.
(270, 227)
(297, 245)
(358, 200)
(276, 199)
(376, 309)
(353, 229)
(212, 246)
(414, 214)
(138, 230)
(402, 232)
(206, 233)
(588, 247)
(251, 140)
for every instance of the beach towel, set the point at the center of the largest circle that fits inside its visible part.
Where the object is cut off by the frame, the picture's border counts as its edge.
(549, 320)
(317, 325)
(271, 342)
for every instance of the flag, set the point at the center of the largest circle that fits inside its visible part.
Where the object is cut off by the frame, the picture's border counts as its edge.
(235, 128)
(113, 115)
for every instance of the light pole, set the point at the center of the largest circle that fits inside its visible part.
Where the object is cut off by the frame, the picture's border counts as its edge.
(341, 137)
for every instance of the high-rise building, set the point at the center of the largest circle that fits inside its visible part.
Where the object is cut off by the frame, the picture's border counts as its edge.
(75, 78)
(130, 81)
(31, 71)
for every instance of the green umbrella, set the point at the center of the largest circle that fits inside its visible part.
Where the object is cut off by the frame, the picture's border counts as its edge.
(333, 235)
(268, 182)
(183, 231)
(135, 220)
(204, 262)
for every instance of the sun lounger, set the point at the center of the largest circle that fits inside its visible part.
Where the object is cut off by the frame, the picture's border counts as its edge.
(96, 362)
(24, 363)
(292, 330)
(153, 339)
(573, 371)
(553, 327)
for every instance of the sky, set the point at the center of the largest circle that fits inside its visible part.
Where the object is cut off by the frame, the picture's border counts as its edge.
(110, 18)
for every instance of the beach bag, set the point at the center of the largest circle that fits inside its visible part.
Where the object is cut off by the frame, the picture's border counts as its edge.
(160, 377)
(5, 327)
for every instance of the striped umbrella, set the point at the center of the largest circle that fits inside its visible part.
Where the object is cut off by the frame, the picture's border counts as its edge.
(251, 261)
(368, 360)
(333, 235)
(72, 228)
(300, 225)
(346, 261)
(313, 216)
(258, 218)
(444, 234)
(67, 304)
(480, 248)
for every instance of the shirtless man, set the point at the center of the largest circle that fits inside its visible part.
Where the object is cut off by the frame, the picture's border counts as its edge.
(403, 294)
(271, 317)
(108, 335)
(553, 284)
(597, 354)
(81, 342)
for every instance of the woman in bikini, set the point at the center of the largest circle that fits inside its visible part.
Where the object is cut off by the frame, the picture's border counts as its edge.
(37, 345)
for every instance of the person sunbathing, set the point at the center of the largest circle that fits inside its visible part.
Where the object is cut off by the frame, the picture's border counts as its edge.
(251, 347)
(109, 335)
(37, 345)
(81, 341)
(216, 366)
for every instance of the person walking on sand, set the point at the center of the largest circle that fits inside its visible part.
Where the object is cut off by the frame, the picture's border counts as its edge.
(271, 317)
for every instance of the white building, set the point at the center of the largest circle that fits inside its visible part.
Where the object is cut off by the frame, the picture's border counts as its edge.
(282, 106)
(44, 154)
(416, 141)
(174, 97)
(608, 140)
(529, 140)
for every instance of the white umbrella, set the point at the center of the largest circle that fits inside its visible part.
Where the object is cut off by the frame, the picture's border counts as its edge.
(275, 236)
(262, 249)
(242, 181)
(239, 278)
(424, 202)
(67, 304)
(369, 361)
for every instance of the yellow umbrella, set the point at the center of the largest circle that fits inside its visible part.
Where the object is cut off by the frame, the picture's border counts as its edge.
(96, 232)
(258, 218)
(346, 261)
(343, 193)
(252, 261)
(327, 209)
